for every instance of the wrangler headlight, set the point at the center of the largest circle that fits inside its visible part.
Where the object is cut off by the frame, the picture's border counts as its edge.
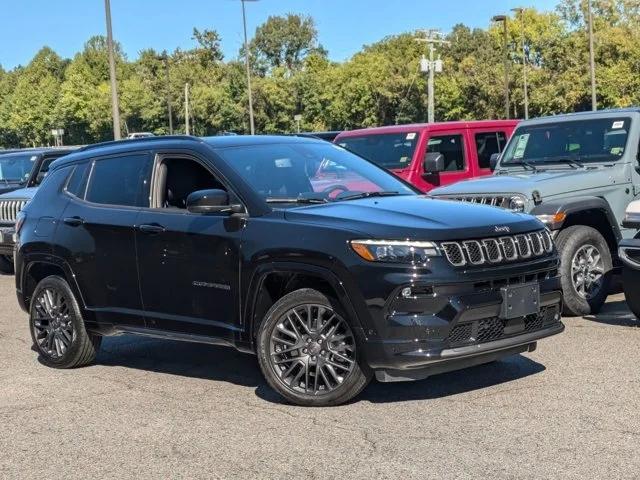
(517, 203)
(395, 251)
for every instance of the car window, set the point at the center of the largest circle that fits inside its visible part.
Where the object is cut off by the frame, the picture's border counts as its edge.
(120, 181)
(317, 170)
(389, 150)
(78, 180)
(488, 143)
(179, 177)
(452, 148)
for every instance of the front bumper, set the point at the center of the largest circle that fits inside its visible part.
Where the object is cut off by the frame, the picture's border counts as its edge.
(447, 325)
(7, 240)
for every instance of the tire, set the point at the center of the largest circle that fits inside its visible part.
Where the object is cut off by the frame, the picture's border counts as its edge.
(57, 327)
(573, 244)
(317, 348)
(6, 265)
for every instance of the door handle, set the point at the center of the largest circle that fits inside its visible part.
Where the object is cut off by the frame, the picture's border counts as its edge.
(151, 228)
(73, 221)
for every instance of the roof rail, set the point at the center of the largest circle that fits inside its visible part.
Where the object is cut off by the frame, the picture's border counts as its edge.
(139, 140)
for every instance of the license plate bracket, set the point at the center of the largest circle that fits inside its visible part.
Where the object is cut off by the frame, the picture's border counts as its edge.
(520, 300)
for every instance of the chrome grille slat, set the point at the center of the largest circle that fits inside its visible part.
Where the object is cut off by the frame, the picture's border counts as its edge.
(498, 250)
(9, 210)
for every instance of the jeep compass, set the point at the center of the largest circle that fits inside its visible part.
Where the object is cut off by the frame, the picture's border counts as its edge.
(330, 269)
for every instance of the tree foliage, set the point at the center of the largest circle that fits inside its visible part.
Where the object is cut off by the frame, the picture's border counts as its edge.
(292, 74)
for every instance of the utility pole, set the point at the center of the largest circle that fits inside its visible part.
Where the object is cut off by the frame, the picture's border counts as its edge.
(248, 66)
(169, 112)
(592, 62)
(186, 109)
(503, 19)
(520, 11)
(115, 108)
(431, 67)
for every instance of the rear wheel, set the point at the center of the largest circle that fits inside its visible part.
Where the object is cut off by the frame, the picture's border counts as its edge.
(57, 327)
(6, 264)
(308, 351)
(585, 268)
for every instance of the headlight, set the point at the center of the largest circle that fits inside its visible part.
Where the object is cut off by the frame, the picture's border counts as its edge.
(395, 251)
(516, 203)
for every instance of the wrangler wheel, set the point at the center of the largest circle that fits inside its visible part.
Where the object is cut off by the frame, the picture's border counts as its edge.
(308, 351)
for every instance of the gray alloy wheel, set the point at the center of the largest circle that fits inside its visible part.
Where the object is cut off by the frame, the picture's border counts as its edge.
(57, 327)
(52, 323)
(308, 350)
(587, 271)
(312, 349)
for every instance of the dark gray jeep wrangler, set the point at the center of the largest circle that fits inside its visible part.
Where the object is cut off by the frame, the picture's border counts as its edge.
(577, 173)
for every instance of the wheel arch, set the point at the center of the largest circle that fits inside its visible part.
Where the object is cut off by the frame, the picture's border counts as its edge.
(274, 280)
(590, 211)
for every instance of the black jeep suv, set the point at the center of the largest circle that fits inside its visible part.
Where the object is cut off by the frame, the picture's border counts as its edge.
(327, 267)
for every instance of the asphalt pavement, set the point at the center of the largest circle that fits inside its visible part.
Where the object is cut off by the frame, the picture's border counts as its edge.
(161, 409)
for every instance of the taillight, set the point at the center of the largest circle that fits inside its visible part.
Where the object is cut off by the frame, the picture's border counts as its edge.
(20, 218)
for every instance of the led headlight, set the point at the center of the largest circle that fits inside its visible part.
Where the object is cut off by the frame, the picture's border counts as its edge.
(395, 251)
(516, 203)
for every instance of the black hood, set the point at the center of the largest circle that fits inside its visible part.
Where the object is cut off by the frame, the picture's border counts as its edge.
(416, 218)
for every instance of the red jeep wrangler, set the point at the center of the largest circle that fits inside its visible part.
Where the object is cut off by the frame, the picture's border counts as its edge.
(465, 149)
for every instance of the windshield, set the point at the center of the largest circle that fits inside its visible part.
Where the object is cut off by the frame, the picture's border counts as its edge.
(312, 171)
(595, 140)
(389, 150)
(16, 168)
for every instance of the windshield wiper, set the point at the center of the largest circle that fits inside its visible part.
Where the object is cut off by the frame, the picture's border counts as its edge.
(300, 200)
(524, 163)
(356, 196)
(570, 161)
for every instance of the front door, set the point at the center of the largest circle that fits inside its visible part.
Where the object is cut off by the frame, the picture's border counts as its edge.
(189, 263)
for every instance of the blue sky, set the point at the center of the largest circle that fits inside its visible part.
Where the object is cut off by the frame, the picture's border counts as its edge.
(344, 26)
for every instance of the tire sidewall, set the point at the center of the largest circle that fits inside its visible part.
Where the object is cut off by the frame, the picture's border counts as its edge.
(74, 352)
(569, 242)
(357, 379)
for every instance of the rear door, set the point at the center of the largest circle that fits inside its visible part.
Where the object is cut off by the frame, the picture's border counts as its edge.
(98, 229)
(485, 142)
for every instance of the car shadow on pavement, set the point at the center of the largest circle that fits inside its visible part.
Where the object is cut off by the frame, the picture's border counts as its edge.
(615, 313)
(227, 365)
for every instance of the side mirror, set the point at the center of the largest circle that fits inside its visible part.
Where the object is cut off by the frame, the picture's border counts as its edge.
(493, 161)
(433, 163)
(40, 177)
(210, 201)
(632, 215)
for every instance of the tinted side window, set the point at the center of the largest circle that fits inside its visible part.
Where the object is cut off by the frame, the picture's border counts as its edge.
(452, 148)
(120, 181)
(488, 143)
(78, 180)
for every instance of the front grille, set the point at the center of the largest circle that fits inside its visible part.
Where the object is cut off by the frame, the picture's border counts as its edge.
(494, 201)
(9, 210)
(492, 329)
(492, 250)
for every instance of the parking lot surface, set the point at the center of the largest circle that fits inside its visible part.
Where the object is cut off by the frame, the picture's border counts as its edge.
(161, 409)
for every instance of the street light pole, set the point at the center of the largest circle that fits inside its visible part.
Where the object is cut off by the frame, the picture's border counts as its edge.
(503, 19)
(592, 62)
(186, 109)
(248, 66)
(169, 110)
(115, 109)
(520, 11)
(431, 66)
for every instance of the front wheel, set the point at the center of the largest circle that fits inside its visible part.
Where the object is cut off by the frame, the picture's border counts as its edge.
(308, 352)
(585, 269)
(57, 327)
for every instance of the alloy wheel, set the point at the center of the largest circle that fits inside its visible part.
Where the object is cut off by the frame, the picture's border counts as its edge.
(587, 271)
(312, 350)
(52, 323)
